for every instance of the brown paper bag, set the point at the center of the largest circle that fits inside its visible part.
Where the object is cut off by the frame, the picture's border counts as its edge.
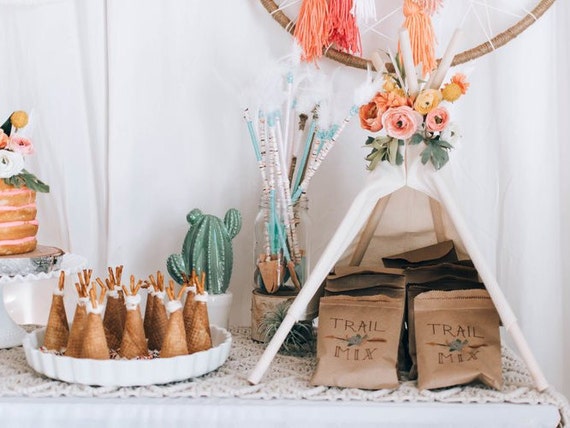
(363, 280)
(442, 252)
(444, 283)
(457, 337)
(371, 281)
(357, 342)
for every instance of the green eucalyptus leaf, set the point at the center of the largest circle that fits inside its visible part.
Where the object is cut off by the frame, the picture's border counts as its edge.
(445, 144)
(392, 151)
(426, 154)
(416, 139)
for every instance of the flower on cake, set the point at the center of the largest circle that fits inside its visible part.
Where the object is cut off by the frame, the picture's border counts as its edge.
(13, 148)
(411, 118)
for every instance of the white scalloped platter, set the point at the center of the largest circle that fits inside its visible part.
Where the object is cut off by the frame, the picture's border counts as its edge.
(127, 372)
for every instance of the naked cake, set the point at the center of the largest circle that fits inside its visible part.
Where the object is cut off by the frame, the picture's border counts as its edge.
(18, 187)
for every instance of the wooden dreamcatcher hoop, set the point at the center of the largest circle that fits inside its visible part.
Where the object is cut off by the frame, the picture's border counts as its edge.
(496, 42)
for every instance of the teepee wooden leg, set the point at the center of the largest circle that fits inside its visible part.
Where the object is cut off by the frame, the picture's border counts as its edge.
(507, 315)
(368, 231)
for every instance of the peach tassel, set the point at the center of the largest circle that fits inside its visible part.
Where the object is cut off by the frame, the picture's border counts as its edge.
(343, 30)
(417, 20)
(311, 30)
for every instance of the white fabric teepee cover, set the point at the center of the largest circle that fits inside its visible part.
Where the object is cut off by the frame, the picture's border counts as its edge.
(384, 181)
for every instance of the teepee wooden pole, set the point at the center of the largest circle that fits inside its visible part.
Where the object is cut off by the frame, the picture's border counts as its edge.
(507, 315)
(368, 231)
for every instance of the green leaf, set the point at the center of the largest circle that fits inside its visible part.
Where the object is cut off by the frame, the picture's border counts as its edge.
(369, 140)
(426, 154)
(416, 139)
(392, 151)
(445, 144)
(399, 158)
(29, 180)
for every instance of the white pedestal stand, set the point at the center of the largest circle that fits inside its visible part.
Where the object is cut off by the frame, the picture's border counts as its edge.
(11, 334)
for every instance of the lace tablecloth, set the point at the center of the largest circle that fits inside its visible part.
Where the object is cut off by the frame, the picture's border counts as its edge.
(287, 378)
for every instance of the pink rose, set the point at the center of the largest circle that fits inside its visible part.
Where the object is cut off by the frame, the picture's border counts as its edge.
(20, 145)
(401, 122)
(437, 119)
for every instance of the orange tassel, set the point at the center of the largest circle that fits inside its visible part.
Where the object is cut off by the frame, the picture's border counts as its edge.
(417, 20)
(343, 28)
(311, 30)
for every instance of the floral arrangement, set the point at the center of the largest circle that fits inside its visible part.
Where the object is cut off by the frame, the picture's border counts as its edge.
(13, 148)
(414, 118)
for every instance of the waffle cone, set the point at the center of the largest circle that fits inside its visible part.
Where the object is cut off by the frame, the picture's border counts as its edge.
(75, 340)
(57, 329)
(175, 338)
(94, 342)
(159, 325)
(199, 339)
(188, 311)
(133, 343)
(148, 321)
(114, 322)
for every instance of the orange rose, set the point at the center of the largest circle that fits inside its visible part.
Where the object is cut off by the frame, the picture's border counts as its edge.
(385, 100)
(370, 117)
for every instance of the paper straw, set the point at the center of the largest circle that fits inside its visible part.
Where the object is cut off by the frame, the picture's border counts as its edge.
(303, 162)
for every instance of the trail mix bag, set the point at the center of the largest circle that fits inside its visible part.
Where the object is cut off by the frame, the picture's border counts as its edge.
(457, 339)
(434, 282)
(442, 252)
(357, 342)
(371, 281)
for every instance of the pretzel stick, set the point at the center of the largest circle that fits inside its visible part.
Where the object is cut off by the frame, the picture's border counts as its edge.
(112, 275)
(102, 296)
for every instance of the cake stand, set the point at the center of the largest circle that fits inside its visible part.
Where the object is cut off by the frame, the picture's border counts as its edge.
(11, 334)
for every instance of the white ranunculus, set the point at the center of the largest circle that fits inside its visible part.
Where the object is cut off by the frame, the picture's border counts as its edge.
(11, 163)
(451, 134)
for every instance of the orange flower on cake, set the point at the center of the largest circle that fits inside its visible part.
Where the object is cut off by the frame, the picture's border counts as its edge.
(401, 122)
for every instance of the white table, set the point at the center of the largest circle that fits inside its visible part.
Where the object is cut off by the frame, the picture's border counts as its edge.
(284, 399)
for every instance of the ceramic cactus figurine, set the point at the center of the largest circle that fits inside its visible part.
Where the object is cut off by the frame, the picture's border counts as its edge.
(207, 248)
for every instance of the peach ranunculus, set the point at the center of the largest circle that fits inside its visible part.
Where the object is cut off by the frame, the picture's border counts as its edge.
(401, 122)
(20, 145)
(370, 117)
(427, 100)
(437, 119)
(4, 139)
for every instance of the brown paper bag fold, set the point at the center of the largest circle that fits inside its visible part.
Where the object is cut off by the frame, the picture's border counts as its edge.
(57, 329)
(442, 252)
(457, 339)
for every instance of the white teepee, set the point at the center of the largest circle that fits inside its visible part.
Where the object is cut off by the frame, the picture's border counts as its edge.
(364, 214)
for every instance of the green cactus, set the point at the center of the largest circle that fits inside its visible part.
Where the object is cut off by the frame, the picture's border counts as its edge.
(207, 248)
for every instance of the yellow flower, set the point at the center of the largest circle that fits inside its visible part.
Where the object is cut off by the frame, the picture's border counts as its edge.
(19, 119)
(389, 83)
(451, 92)
(427, 100)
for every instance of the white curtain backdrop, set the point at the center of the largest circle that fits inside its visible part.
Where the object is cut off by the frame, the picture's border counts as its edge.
(137, 106)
